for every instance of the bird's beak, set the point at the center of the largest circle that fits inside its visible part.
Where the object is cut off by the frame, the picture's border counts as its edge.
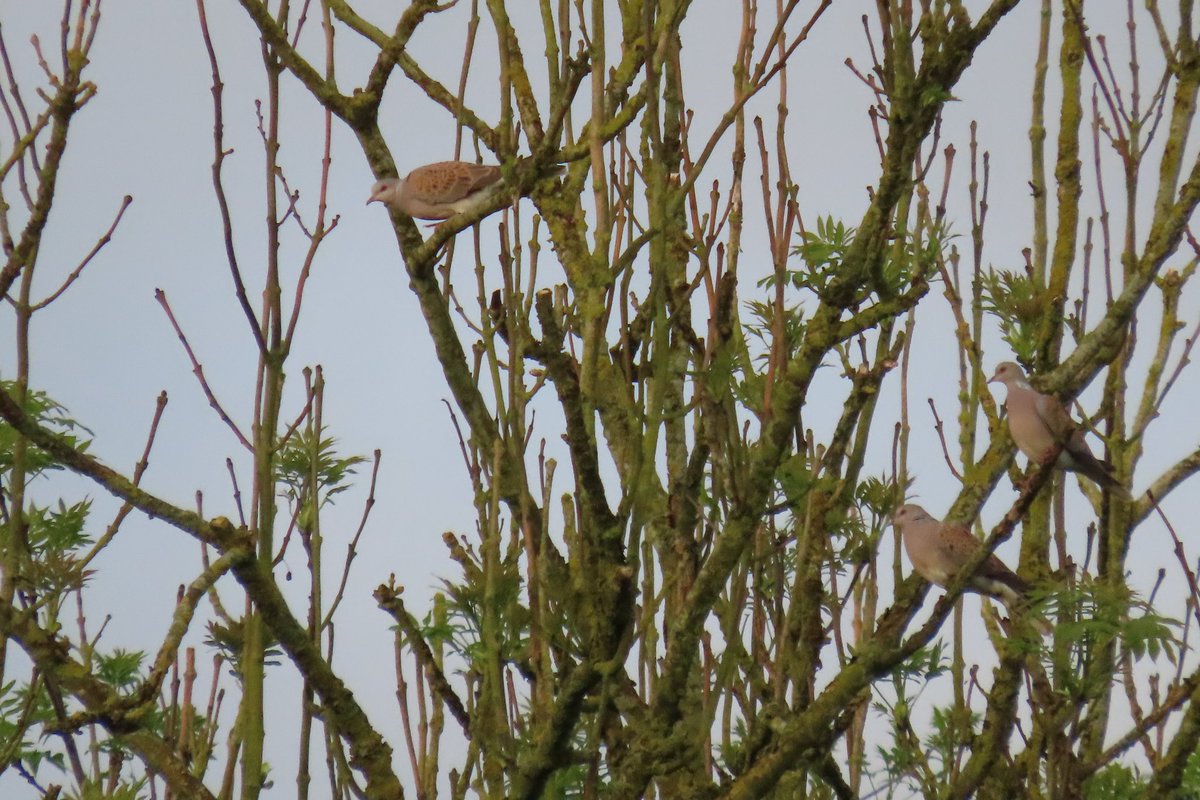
(994, 379)
(372, 199)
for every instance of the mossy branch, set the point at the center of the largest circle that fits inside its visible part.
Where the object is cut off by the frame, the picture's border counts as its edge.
(812, 731)
(565, 375)
(130, 721)
(389, 600)
(324, 91)
(1100, 346)
(368, 750)
(69, 98)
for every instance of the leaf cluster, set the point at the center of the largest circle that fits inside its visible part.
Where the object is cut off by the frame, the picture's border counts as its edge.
(1094, 610)
(1019, 306)
(229, 639)
(55, 536)
(48, 414)
(311, 474)
(1122, 782)
(22, 709)
(466, 601)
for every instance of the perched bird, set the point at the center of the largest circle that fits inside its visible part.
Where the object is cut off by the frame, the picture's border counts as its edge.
(439, 191)
(938, 551)
(1039, 424)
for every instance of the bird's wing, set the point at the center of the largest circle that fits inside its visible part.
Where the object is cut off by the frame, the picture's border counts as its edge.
(1070, 434)
(449, 181)
(997, 570)
(479, 176)
(957, 543)
(1056, 418)
(960, 544)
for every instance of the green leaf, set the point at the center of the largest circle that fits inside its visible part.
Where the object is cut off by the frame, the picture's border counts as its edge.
(58, 531)
(120, 668)
(1113, 782)
(47, 413)
(1019, 305)
(309, 458)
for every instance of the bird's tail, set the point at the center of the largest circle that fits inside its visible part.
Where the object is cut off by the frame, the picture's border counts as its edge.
(1014, 594)
(1102, 474)
(546, 170)
(1110, 482)
(1020, 610)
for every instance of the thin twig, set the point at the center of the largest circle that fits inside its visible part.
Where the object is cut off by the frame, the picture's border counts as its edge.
(198, 371)
(139, 470)
(1181, 556)
(937, 426)
(105, 239)
(352, 547)
(219, 187)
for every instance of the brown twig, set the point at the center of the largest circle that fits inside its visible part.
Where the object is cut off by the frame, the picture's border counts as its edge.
(352, 547)
(1193, 587)
(198, 371)
(26, 127)
(139, 470)
(1174, 699)
(389, 600)
(237, 491)
(937, 426)
(220, 153)
(105, 239)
